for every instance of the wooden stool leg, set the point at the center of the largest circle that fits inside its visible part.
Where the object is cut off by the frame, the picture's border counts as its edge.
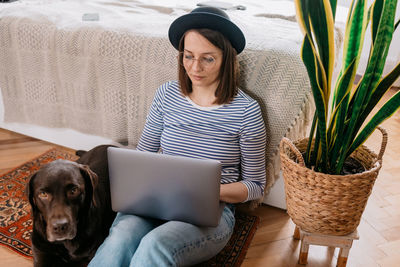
(343, 254)
(296, 234)
(303, 253)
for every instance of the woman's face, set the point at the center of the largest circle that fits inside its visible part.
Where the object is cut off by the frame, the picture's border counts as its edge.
(201, 60)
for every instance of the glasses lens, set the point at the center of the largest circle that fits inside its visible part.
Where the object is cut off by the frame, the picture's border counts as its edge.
(207, 61)
(187, 59)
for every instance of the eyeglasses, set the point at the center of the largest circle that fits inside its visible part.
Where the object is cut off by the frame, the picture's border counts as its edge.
(188, 59)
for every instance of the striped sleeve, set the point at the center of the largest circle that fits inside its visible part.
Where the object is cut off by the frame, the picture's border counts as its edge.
(150, 138)
(252, 145)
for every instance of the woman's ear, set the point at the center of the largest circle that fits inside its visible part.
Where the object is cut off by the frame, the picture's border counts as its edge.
(91, 180)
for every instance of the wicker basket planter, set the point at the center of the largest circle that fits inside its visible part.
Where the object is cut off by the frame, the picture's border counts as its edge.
(324, 203)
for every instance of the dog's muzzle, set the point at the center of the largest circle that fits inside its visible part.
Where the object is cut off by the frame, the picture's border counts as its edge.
(60, 229)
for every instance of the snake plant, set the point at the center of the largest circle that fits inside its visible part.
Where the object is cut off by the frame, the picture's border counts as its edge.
(341, 123)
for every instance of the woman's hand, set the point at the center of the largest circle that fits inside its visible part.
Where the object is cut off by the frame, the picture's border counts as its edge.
(233, 192)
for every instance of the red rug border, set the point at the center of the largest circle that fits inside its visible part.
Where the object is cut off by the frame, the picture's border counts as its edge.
(249, 238)
(12, 250)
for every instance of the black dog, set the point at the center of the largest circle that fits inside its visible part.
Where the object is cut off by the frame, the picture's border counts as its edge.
(71, 209)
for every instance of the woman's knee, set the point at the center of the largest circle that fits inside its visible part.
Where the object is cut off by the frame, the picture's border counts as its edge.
(122, 242)
(154, 250)
(166, 247)
(126, 224)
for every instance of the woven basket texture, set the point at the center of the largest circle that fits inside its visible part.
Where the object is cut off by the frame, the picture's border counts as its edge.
(325, 203)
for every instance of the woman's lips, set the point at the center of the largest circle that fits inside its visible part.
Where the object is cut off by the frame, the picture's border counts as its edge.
(197, 78)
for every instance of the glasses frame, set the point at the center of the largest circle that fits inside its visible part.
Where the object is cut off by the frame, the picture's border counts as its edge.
(203, 64)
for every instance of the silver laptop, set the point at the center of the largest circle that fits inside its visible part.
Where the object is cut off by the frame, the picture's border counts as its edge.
(165, 187)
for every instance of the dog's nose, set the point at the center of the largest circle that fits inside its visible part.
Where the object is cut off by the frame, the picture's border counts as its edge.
(60, 226)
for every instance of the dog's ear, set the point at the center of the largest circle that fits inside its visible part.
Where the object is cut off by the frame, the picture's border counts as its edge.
(91, 180)
(80, 153)
(30, 192)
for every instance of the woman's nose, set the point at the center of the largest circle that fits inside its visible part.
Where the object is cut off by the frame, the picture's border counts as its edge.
(196, 65)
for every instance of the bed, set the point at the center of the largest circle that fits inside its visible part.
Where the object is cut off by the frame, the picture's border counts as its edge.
(93, 67)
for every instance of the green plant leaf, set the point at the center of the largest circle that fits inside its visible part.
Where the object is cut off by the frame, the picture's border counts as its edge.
(372, 74)
(350, 105)
(351, 8)
(333, 7)
(345, 82)
(302, 16)
(354, 35)
(353, 41)
(379, 53)
(315, 73)
(316, 153)
(307, 157)
(377, 8)
(390, 107)
(377, 94)
(321, 18)
(338, 118)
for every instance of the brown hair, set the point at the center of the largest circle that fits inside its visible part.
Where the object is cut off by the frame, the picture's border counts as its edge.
(228, 74)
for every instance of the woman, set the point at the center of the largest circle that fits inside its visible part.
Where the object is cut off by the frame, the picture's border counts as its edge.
(204, 115)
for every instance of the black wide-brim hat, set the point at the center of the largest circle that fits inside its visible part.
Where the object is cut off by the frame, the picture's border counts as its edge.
(209, 18)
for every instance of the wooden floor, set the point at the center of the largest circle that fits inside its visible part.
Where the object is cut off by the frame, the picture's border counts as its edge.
(273, 245)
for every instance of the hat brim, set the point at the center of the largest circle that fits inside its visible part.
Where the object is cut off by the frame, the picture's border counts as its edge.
(201, 20)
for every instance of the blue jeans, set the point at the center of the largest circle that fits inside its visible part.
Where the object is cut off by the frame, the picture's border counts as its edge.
(138, 241)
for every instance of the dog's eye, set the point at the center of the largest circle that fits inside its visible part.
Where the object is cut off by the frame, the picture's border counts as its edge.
(74, 191)
(43, 195)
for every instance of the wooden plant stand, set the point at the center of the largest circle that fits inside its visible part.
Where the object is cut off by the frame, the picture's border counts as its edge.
(343, 242)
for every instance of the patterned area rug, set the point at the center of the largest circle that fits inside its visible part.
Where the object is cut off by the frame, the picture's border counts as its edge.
(16, 222)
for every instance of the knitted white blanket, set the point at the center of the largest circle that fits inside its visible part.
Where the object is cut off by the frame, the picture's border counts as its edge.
(99, 77)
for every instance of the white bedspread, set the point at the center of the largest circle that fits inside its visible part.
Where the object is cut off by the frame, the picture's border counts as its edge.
(99, 77)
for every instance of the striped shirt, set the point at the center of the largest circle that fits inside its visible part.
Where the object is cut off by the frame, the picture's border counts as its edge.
(232, 133)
